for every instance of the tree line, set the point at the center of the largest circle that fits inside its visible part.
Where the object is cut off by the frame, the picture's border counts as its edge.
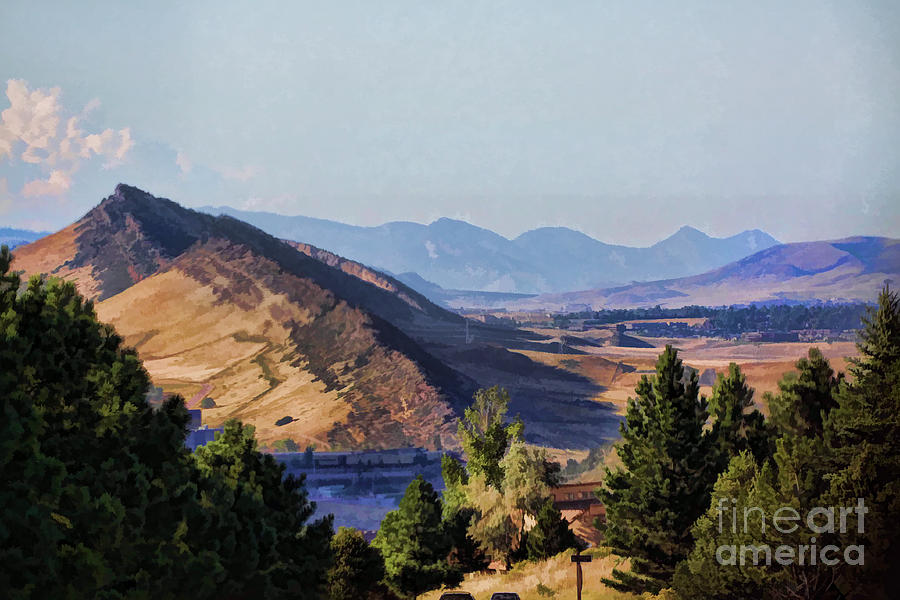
(738, 319)
(693, 469)
(101, 499)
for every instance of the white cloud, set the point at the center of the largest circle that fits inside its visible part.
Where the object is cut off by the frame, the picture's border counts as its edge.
(56, 184)
(32, 118)
(184, 162)
(432, 249)
(32, 124)
(91, 106)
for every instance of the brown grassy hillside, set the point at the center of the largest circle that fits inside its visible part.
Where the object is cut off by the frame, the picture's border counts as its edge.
(353, 357)
(213, 304)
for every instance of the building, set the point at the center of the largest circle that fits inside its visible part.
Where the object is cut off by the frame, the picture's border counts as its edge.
(580, 506)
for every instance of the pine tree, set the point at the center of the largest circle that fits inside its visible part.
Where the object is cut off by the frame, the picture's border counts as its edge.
(665, 486)
(358, 568)
(701, 575)
(284, 555)
(414, 543)
(863, 438)
(30, 526)
(794, 477)
(550, 534)
(805, 397)
(737, 425)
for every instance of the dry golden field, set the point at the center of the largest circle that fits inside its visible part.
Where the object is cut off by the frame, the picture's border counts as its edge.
(616, 370)
(556, 576)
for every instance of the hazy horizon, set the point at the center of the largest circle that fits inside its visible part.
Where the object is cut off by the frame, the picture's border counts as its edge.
(623, 121)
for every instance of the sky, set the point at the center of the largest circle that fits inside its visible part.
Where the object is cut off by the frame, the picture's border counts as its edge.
(621, 119)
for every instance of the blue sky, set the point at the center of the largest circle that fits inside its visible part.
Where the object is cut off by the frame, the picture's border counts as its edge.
(624, 120)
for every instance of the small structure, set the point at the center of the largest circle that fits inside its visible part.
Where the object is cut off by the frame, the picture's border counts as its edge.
(580, 506)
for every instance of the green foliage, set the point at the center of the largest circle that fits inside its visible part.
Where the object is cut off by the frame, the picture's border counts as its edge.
(863, 433)
(100, 497)
(737, 426)
(545, 591)
(483, 435)
(733, 319)
(415, 543)
(285, 557)
(595, 458)
(795, 478)
(106, 475)
(503, 483)
(286, 445)
(804, 397)
(358, 568)
(700, 575)
(669, 472)
(550, 534)
(499, 522)
(466, 554)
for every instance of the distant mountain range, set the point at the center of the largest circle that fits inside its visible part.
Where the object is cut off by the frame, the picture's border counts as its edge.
(17, 237)
(301, 343)
(851, 269)
(456, 255)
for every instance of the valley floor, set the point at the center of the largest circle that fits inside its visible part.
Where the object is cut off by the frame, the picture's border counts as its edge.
(616, 370)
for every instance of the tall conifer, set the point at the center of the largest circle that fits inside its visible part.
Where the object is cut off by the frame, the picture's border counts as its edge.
(665, 485)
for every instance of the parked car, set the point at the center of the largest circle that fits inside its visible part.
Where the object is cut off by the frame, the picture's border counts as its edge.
(457, 596)
(504, 596)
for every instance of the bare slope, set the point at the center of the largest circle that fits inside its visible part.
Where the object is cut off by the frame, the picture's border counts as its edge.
(213, 303)
(561, 408)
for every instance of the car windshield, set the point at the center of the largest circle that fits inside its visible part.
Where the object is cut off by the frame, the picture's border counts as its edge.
(459, 596)
(505, 596)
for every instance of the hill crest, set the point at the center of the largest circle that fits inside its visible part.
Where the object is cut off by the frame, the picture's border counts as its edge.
(214, 304)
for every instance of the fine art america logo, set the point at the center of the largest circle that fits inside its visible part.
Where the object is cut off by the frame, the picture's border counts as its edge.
(786, 525)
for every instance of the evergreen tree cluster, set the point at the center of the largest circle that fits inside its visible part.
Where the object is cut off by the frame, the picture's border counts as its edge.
(738, 319)
(431, 541)
(828, 442)
(100, 498)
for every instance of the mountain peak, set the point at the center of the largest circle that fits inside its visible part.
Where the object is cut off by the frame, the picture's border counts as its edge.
(687, 230)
